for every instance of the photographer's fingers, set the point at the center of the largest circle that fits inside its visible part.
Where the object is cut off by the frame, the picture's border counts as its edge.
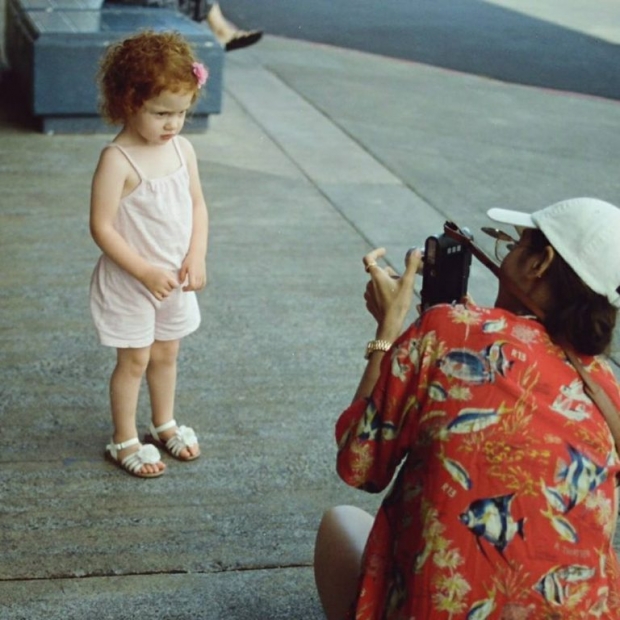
(370, 260)
(412, 266)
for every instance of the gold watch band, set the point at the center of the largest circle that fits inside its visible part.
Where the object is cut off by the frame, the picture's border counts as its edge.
(377, 345)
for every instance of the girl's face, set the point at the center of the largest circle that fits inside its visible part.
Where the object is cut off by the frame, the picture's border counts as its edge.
(162, 117)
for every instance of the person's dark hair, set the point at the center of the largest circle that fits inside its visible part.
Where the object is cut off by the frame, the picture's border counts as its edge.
(577, 315)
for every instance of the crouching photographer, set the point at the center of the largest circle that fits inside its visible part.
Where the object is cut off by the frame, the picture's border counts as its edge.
(498, 429)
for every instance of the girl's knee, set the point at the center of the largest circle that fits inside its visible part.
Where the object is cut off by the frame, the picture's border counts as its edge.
(132, 361)
(164, 352)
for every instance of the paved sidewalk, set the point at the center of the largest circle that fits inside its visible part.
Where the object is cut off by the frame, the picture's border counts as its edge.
(319, 154)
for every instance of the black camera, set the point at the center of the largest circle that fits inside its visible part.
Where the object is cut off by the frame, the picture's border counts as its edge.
(445, 269)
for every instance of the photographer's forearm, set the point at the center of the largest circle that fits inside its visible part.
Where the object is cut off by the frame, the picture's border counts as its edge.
(370, 376)
(387, 331)
(391, 330)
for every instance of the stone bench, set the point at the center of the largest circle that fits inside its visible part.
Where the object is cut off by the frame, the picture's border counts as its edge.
(53, 49)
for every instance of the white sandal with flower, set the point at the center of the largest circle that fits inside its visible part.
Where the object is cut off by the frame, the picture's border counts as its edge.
(133, 463)
(183, 439)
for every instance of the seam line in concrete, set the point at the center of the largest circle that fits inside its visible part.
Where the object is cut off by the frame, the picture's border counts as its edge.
(300, 168)
(220, 570)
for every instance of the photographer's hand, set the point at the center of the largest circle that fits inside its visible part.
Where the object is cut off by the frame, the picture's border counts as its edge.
(388, 296)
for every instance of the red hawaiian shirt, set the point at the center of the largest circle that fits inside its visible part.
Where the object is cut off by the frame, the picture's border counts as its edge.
(504, 501)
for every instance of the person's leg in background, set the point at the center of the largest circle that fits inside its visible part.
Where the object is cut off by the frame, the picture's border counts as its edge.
(231, 37)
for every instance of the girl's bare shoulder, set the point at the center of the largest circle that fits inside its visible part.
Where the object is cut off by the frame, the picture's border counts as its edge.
(186, 147)
(112, 158)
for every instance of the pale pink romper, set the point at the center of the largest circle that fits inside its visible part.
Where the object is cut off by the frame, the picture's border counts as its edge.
(156, 221)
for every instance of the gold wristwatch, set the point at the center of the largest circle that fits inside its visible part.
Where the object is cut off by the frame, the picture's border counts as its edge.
(377, 345)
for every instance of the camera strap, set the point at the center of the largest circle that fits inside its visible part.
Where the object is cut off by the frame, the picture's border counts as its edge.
(598, 395)
(591, 387)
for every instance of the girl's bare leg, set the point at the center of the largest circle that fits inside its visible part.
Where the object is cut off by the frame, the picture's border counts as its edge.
(161, 376)
(338, 553)
(124, 391)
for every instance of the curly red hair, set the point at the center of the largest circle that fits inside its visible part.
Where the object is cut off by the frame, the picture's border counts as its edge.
(142, 66)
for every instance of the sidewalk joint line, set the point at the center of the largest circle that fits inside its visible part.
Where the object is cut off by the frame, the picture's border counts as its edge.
(110, 575)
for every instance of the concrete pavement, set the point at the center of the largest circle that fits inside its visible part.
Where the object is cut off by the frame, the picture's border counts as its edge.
(319, 154)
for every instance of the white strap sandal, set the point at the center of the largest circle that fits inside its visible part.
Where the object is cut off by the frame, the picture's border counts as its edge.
(184, 438)
(132, 463)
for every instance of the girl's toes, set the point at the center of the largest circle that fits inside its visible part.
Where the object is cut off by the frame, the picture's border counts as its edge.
(153, 468)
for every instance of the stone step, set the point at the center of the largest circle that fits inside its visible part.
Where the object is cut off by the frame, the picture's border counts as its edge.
(53, 48)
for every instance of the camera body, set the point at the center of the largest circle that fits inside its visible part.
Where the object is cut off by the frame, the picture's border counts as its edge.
(445, 270)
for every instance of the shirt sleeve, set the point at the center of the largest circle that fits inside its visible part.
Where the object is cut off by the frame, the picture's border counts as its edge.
(374, 434)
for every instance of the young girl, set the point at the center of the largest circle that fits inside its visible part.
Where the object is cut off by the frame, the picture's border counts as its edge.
(149, 217)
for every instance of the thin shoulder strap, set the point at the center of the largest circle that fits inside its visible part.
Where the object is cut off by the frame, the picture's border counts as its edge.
(601, 399)
(177, 148)
(129, 159)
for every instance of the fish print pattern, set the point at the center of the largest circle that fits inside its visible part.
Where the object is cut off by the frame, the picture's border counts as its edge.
(490, 518)
(501, 476)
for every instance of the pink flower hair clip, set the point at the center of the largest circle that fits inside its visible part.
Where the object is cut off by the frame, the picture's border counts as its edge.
(201, 73)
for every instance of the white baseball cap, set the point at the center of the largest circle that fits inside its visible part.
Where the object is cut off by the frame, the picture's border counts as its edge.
(586, 234)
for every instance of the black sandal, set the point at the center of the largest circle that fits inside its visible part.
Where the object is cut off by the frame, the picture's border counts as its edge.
(243, 39)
